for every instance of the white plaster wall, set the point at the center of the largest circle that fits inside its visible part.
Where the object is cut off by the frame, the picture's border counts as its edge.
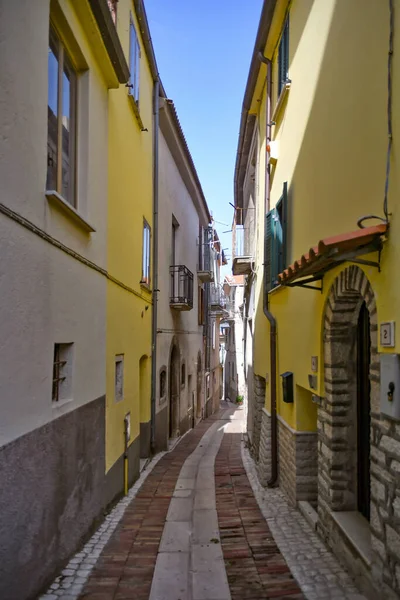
(174, 199)
(46, 295)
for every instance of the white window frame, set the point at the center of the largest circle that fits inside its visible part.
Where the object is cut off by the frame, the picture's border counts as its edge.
(134, 62)
(146, 252)
(65, 64)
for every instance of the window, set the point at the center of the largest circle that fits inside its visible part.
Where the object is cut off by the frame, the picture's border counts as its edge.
(112, 5)
(213, 335)
(175, 226)
(183, 374)
(134, 63)
(200, 306)
(275, 248)
(146, 253)
(163, 382)
(119, 377)
(62, 372)
(283, 58)
(61, 121)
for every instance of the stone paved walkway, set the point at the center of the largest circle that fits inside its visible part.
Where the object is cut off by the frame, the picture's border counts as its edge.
(191, 529)
(255, 567)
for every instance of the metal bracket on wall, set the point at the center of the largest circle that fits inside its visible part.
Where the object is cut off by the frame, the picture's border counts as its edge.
(305, 283)
(351, 257)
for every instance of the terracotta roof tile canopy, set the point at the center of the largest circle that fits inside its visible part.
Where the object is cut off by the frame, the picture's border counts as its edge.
(331, 251)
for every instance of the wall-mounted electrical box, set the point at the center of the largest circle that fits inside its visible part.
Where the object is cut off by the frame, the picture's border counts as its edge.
(390, 385)
(313, 381)
(314, 364)
(287, 386)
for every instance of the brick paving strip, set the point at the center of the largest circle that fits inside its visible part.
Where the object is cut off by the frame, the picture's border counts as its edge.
(130, 519)
(255, 567)
(316, 569)
(125, 568)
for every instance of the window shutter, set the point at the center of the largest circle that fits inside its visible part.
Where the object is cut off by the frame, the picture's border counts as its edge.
(286, 50)
(268, 242)
(284, 214)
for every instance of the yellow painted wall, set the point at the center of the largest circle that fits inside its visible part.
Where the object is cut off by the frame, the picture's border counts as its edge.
(332, 136)
(130, 201)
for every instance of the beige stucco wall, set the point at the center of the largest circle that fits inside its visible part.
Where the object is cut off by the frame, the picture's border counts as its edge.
(46, 295)
(182, 326)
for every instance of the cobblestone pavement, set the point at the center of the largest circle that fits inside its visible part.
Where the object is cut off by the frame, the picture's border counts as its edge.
(183, 534)
(315, 568)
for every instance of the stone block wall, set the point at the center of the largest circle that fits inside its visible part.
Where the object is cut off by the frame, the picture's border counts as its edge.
(385, 502)
(258, 401)
(337, 466)
(298, 463)
(264, 459)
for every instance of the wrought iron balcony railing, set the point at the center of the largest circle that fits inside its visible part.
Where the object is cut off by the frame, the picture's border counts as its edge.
(181, 297)
(217, 299)
(242, 259)
(205, 267)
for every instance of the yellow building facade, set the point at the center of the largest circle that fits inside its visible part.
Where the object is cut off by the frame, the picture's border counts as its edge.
(129, 255)
(320, 289)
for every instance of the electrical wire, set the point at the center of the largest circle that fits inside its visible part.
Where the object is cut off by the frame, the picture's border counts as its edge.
(389, 125)
(389, 108)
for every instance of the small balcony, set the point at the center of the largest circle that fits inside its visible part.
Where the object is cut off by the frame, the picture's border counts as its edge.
(217, 300)
(242, 263)
(181, 288)
(205, 271)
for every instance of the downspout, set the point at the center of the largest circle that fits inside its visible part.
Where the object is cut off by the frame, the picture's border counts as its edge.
(272, 321)
(156, 109)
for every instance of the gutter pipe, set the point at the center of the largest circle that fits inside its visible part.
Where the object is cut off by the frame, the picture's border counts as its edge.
(272, 321)
(156, 112)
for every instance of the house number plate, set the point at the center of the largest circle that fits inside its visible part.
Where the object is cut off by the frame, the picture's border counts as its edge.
(387, 334)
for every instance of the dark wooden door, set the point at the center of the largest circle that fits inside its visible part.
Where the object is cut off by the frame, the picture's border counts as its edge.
(363, 411)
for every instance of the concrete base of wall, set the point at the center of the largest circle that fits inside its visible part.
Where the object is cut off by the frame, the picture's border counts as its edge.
(51, 494)
(145, 439)
(161, 430)
(184, 425)
(209, 408)
(114, 485)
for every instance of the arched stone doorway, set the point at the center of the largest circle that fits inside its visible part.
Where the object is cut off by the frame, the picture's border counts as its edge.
(199, 385)
(173, 412)
(351, 378)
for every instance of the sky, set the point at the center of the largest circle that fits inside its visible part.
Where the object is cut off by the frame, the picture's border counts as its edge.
(203, 51)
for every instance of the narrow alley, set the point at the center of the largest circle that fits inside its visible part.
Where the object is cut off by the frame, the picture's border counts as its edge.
(197, 526)
(199, 354)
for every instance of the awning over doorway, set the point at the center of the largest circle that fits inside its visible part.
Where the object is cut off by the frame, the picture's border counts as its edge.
(331, 251)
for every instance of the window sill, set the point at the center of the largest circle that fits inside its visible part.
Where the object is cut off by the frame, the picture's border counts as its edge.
(59, 202)
(281, 100)
(135, 109)
(61, 406)
(357, 531)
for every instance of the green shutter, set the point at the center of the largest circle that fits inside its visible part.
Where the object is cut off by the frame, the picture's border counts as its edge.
(283, 57)
(268, 242)
(284, 213)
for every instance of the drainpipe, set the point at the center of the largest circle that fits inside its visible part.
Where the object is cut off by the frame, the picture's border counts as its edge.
(272, 321)
(156, 109)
